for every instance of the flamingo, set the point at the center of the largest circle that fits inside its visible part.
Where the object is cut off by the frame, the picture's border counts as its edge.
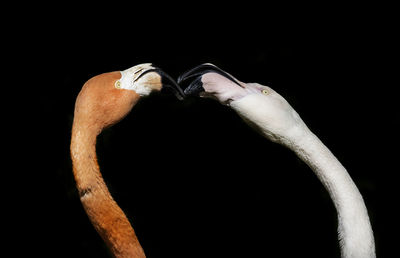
(103, 101)
(273, 117)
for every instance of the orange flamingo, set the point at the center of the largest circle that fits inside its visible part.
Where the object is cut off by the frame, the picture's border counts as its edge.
(103, 101)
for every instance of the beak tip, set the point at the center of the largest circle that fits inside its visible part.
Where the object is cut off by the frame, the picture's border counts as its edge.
(194, 88)
(171, 84)
(179, 97)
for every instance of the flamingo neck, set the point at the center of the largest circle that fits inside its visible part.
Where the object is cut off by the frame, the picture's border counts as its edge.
(354, 228)
(104, 213)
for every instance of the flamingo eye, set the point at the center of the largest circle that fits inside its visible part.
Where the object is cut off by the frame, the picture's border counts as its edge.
(265, 92)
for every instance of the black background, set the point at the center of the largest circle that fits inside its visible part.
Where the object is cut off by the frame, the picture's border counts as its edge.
(193, 179)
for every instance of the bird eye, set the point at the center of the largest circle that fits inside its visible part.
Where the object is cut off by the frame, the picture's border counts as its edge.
(265, 92)
(118, 84)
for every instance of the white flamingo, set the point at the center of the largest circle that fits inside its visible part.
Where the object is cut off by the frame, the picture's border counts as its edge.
(272, 116)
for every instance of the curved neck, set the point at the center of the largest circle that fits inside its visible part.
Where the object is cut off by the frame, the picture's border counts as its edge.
(104, 213)
(354, 228)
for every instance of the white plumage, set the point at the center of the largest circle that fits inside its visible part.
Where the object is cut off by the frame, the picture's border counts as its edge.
(271, 115)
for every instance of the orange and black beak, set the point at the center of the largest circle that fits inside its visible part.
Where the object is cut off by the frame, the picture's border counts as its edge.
(168, 83)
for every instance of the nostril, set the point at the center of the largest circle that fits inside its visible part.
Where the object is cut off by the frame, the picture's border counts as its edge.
(141, 69)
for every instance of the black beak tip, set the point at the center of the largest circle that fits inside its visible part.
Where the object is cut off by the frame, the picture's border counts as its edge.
(169, 83)
(168, 89)
(194, 88)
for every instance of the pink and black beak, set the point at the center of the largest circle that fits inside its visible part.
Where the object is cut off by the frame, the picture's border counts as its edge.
(168, 83)
(196, 86)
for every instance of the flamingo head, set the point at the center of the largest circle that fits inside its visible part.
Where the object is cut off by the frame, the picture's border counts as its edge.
(260, 106)
(107, 98)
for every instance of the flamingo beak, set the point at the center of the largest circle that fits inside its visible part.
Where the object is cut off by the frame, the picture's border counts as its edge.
(196, 86)
(167, 81)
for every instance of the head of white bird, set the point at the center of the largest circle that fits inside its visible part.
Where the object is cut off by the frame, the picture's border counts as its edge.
(258, 105)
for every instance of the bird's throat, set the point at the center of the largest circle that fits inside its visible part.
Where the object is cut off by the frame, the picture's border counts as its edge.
(355, 232)
(104, 213)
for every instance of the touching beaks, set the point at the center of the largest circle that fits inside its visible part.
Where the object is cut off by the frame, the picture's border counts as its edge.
(167, 82)
(196, 86)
